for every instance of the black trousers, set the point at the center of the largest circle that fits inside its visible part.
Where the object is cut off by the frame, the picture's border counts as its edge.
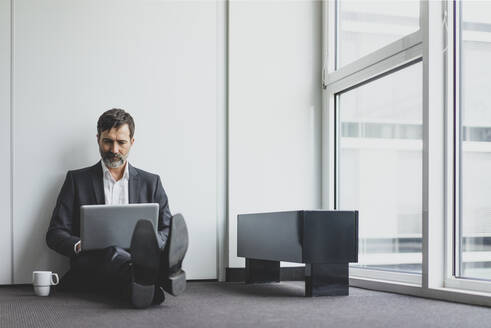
(107, 271)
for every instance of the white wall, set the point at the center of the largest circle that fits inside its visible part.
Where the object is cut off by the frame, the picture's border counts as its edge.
(274, 109)
(5, 200)
(162, 61)
(75, 59)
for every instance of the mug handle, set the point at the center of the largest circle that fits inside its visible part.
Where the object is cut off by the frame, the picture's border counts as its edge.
(53, 282)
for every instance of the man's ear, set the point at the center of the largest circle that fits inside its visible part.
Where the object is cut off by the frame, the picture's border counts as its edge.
(132, 141)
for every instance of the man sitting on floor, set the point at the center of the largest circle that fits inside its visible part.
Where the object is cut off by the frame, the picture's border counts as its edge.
(153, 262)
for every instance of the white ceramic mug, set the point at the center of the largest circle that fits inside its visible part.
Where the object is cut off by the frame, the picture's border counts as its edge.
(42, 281)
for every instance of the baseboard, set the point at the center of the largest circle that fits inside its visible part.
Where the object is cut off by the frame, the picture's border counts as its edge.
(286, 274)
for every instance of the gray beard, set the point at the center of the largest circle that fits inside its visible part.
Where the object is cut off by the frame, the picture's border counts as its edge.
(113, 164)
(108, 157)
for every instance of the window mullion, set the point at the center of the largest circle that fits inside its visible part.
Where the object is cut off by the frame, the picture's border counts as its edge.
(451, 163)
(433, 145)
(328, 124)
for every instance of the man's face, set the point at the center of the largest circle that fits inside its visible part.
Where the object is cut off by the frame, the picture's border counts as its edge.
(115, 145)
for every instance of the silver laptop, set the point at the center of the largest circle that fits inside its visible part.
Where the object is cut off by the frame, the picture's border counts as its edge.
(102, 226)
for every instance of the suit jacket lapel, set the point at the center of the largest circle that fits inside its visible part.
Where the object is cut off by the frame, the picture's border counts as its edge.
(98, 183)
(133, 186)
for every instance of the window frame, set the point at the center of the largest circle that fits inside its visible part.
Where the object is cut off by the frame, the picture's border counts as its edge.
(395, 62)
(390, 58)
(436, 33)
(454, 243)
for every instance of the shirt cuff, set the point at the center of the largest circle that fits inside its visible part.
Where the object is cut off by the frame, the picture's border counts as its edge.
(75, 247)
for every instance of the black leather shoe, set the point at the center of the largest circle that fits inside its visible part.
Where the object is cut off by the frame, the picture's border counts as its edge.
(145, 256)
(159, 296)
(177, 246)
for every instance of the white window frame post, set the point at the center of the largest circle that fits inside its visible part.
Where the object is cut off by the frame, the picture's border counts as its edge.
(328, 125)
(433, 31)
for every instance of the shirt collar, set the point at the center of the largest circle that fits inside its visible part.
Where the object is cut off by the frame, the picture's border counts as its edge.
(126, 173)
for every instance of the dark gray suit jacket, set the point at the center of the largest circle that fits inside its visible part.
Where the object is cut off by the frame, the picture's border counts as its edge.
(86, 187)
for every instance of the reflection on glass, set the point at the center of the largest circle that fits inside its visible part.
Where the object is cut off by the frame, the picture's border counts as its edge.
(380, 167)
(475, 152)
(365, 26)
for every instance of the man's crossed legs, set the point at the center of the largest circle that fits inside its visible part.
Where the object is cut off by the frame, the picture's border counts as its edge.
(140, 275)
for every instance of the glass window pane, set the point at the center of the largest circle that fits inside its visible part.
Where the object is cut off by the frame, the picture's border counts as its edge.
(365, 26)
(475, 153)
(380, 168)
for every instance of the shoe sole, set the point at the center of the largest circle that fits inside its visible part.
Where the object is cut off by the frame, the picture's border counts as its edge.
(145, 255)
(178, 246)
(175, 284)
(141, 295)
(178, 240)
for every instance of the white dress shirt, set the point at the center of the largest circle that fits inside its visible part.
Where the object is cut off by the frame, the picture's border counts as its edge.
(115, 192)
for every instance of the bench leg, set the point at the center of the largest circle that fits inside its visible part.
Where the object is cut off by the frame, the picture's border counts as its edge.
(326, 279)
(262, 271)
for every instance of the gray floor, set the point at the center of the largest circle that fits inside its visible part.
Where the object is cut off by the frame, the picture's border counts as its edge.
(212, 304)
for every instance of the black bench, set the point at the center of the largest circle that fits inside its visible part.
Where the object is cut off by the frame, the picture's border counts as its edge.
(326, 241)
